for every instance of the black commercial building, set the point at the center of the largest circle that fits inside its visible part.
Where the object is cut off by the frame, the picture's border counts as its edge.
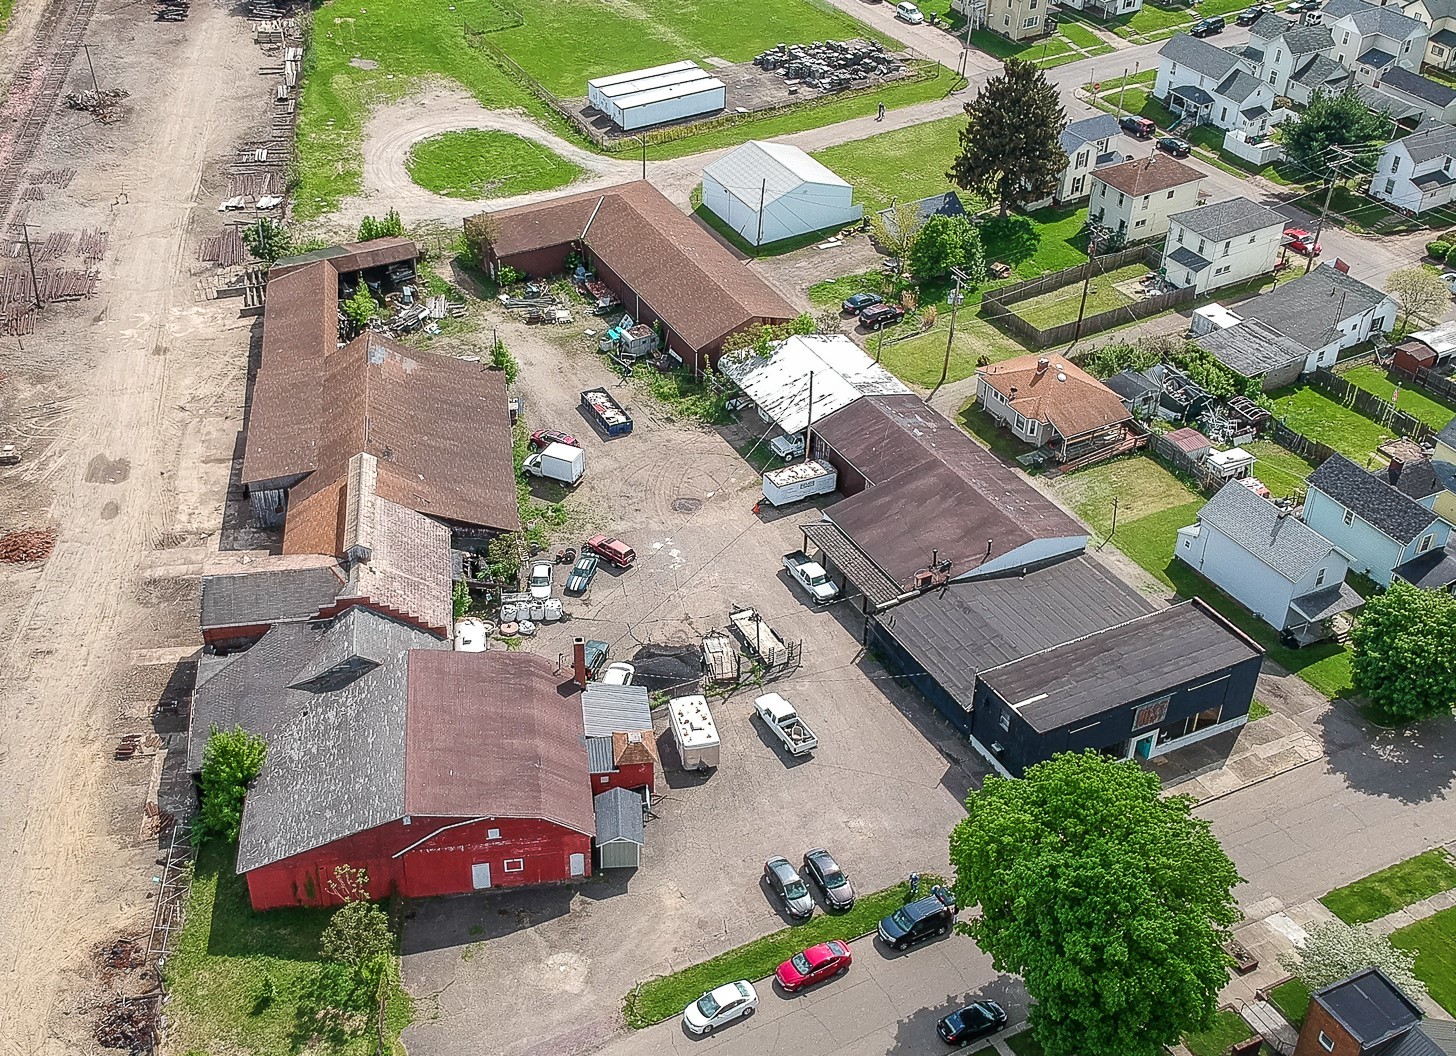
(1067, 657)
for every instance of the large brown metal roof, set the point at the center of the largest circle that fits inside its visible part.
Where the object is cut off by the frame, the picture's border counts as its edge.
(495, 734)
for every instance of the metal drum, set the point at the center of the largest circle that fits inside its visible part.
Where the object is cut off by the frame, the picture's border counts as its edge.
(509, 612)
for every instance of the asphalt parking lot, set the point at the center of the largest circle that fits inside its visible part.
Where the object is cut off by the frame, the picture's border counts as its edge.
(545, 971)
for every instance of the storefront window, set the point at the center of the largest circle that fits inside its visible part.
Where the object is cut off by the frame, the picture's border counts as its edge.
(1191, 725)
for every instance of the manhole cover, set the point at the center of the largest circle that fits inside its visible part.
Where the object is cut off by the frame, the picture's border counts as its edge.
(686, 505)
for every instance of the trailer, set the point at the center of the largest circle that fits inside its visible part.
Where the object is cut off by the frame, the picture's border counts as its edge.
(721, 659)
(607, 412)
(640, 98)
(801, 481)
(758, 637)
(694, 732)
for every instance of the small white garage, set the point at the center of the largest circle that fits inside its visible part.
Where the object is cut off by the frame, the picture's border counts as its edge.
(767, 192)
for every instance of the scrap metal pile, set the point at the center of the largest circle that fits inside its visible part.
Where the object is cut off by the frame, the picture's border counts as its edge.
(539, 304)
(105, 104)
(832, 64)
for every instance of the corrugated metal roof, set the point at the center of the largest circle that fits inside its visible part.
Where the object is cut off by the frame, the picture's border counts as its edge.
(618, 817)
(779, 383)
(606, 710)
(600, 758)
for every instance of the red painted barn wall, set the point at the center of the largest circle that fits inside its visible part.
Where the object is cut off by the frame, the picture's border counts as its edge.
(235, 637)
(539, 263)
(442, 865)
(632, 776)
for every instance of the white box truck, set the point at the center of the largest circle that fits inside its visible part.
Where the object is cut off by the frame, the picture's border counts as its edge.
(694, 732)
(558, 462)
(792, 483)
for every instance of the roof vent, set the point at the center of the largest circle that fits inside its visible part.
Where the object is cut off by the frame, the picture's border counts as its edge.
(634, 738)
(1061, 376)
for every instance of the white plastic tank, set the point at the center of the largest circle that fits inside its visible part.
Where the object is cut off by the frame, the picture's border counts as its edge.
(470, 635)
(536, 611)
(553, 611)
(526, 628)
(509, 612)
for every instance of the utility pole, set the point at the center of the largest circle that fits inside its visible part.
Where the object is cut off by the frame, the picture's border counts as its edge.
(1123, 87)
(1086, 284)
(34, 282)
(762, 197)
(94, 86)
(809, 419)
(643, 141)
(1339, 156)
(955, 303)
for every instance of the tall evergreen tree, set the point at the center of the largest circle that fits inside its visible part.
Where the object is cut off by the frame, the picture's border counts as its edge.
(1010, 148)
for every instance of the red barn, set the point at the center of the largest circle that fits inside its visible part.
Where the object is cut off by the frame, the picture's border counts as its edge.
(436, 772)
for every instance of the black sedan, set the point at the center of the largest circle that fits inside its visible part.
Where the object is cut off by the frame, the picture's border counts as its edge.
(832, 881)
(1250, 15)
(976, 1020)
(581, 574)
(1179, 148)
(856, 303)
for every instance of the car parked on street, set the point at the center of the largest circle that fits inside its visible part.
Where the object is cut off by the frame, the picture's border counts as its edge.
(814, 965)
(858, 302)
(1178, 148)
(725, 1004)
(611, 550)
(1302, 242)
(784, 882)
(582, 573)
(976, 1020)
(832, 881)
(880, 315)
(1207, 27)
(544, 438)
(1133, 125)
(1250, 15)
(541, 581)
(919, 920)
(908, 12)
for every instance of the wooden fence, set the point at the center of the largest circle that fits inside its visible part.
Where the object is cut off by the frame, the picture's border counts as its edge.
(1436, 384)
(1312, 451)
(1177, 459)
(1382, 412)
(997, 306)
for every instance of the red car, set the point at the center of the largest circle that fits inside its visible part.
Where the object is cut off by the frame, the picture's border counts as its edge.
(1301, 242)
(814, 965)
(546, 437)
(611, 550)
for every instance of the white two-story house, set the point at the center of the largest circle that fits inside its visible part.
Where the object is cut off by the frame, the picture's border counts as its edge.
(1369, 39)
(1439, 18)
(1263, 557)
(1292, 58)
(1135, 198)
(1418, 172)
(1206, 85)
(1415, 96)
(1088, 146)
(1374, 523)
(1222, 243)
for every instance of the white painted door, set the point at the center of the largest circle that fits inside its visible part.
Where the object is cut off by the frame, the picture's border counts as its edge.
(480, 875)
(578, 865)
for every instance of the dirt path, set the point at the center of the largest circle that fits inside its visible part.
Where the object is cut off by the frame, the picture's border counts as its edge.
(144, 390)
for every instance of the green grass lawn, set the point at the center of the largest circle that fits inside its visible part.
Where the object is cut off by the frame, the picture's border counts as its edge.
(1061, 305)
(216, 974)
(667, 995)
(1291, 998)
(475, 163)
(903, 164)
(919, 360)
(1142, 103)
(1307, 410)
(1434, 940)
(1412, 400)
(1152, 505)
(1023, 1044)
(1228, 1029)
(1395, 888)
(1280, 469)
(1046, 240)
(1258, 710)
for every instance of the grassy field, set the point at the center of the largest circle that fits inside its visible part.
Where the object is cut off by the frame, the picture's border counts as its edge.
(5, 8)
(1228, 1029)
(1434, 940)
(1412, 400)
(1280, 469)
(1152, 505)
(1291, 998)
(475, 163)
(919, 360)
(667, 995)
(905, 164)
(372, 55)
(1403, 884)
(1307, 410)
(239, 980)
(1061, 305)
(1023, 1044)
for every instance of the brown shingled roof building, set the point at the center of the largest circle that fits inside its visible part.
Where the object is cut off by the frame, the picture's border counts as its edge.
(1147, 175)
(1049, 401)
(659, 262)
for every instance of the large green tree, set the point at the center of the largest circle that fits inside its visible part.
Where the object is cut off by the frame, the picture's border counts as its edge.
(947, 242)
(1011, 148)
(1405, 652)
(230, 762)
(1336, 127)
(1111, 901)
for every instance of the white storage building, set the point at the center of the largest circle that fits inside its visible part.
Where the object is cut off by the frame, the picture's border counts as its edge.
(642, 98)
(770, 191)
(779, 383)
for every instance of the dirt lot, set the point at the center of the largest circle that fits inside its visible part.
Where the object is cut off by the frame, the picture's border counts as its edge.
(546, 971)
(127, 408)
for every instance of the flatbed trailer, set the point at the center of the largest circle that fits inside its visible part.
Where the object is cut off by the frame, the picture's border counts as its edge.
(758, 637)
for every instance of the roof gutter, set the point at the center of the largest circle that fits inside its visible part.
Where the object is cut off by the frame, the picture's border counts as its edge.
(431, 836)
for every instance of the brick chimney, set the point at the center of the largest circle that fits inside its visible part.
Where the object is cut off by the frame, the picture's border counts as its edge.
(578, 661)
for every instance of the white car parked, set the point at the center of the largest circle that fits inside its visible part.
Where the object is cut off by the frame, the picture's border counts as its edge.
(723, 1005)
(908, 12)
(619, 673)
(540, 581)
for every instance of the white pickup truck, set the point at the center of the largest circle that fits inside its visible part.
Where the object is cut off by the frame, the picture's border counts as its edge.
(780, 717)
(811, 576)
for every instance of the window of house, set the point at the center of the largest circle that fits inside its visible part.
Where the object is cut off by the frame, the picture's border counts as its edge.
(1146, 198)
(1223, 270)
(1394, 164)
(1141, 223)
(1170, 195)
(1226, 248)
(492, 834)
(1006, 20)
(1082, 159)
(1349, 516)
(1077, 185)
(1201, 244)
(1405, 47)
(1389, 186)
(1278, 55)
(1179, 233)
(1273, 76)
(1253, 239)
(1223, 113)
(1121, 198)
(515, 865)
(1425, 544)
(1151, 713)
(1029, 23)
(1319, 580)
(1345, 39)
(604, 779)
(1438, 51)
(1326, 1042)
(1032, 6)
(1021, 423)
(1005, 721)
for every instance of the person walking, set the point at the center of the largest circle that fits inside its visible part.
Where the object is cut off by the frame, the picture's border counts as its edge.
(880, 114)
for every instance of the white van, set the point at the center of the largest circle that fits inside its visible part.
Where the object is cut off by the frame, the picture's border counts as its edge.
(908, 12)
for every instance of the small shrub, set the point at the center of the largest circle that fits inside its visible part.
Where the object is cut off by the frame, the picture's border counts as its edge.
(507, 276)
(1438, 249)
(360, 308)
(1451, 254)
(502, 360)
(390, 227)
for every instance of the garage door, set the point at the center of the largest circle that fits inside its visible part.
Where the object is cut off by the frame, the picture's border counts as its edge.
(480, 875)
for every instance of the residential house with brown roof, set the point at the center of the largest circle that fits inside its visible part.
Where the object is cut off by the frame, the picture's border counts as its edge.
(1050, 402)
(663, 266)
(1136, 198)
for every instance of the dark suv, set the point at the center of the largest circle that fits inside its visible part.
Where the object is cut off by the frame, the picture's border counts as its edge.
(932, 915)
(1208, 26)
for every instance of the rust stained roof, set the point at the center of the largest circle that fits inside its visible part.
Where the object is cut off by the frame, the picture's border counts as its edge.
(687, 277)
(1147, 175)
(494, 734)
(1062, 393)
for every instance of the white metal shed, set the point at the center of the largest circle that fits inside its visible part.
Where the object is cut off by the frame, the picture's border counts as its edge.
(771, 191)
(642, 98)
